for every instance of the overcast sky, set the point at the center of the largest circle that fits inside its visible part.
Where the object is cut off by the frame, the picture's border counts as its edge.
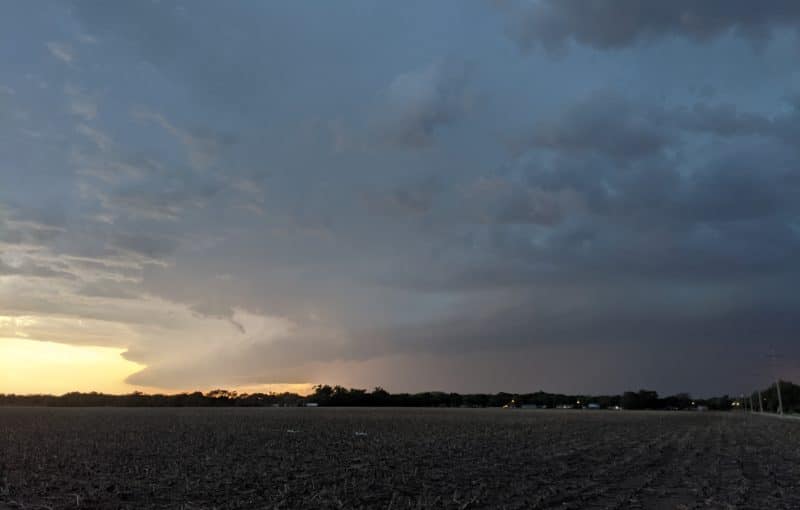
(464, 195)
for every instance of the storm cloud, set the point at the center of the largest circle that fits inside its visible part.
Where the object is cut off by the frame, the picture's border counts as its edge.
(298, 193)
(613, 24)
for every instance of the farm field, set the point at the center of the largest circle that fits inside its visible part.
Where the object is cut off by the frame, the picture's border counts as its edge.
(394, 458)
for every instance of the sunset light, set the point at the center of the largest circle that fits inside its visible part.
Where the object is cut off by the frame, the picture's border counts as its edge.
(31, 366)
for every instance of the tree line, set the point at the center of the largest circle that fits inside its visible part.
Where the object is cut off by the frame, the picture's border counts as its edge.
(325, 395)
(790, 397)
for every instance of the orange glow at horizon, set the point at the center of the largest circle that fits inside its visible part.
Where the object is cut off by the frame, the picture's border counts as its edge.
(38, 367)
(32, 366)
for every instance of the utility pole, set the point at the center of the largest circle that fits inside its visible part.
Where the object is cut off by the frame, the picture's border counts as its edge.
(760, 403)
(773, 357)
(752, 409)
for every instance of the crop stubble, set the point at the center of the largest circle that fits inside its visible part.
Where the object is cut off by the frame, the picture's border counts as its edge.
(394, 458)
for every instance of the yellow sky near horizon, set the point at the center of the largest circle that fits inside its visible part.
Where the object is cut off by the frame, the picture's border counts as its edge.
(33, 366)
(30, 366)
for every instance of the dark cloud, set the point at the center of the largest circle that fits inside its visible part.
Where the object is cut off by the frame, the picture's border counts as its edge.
(253, 194)
(423, 101)
(164, 34)
(587, 316)
(610, 24)
(501, 201)
(752, 182)
(629, 158)
(256, 361)
(608, 124)
(605, 123)
(213, 306)
(723, 119)
(412, 199)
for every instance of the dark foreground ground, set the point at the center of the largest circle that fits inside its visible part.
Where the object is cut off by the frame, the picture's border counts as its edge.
(394, 458)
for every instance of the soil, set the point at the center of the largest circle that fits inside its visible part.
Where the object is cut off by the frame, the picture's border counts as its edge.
(394, 459)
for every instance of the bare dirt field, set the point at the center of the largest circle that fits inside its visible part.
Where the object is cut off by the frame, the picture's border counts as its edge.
(394, 458)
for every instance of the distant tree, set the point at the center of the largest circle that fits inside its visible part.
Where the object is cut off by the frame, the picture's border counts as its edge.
(322, 394)
(790, 396)
(380, 397)
(341, 396)
(679, 401)
(222, 394)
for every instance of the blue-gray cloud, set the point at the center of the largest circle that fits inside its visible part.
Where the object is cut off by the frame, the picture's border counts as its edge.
(425, 100)
(610, 24)
(281, 193)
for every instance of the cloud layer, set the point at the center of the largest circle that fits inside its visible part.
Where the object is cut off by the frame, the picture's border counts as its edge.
(610, 24)
(290, 194)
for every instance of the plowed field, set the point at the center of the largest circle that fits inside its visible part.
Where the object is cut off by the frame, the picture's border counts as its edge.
(395, 458)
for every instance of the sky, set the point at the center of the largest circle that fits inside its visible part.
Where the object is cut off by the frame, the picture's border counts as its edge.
(460, 195)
